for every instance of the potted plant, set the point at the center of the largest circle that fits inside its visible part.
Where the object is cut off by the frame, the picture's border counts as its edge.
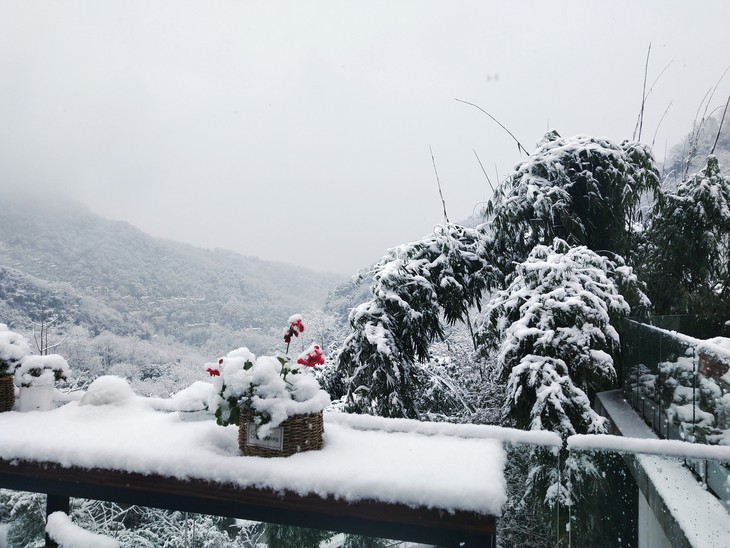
(36, 376)
(277, 403)
(13, 348)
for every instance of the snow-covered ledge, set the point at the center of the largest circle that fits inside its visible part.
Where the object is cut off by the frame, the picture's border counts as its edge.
(447, 471)
(685, 514)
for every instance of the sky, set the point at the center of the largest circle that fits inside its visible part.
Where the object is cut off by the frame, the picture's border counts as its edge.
(302, 132)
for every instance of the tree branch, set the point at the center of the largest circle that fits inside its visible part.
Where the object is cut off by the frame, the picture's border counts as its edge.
(519, 145)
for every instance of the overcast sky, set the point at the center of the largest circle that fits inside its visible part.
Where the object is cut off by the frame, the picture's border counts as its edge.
(300, 131)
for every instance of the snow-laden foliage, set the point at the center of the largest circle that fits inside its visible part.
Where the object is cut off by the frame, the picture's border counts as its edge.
(13, 348)
(38, 370)
(273, 388)
(582, 189)
(554, 329)
(458, 382)
(689, 245)
(418, 284)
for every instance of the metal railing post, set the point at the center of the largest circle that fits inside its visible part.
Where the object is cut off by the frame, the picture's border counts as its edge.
(55, 503)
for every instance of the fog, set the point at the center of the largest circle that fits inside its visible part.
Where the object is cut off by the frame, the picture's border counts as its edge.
(301, 131)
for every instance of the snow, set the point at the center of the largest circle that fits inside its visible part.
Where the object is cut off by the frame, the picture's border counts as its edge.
(273, 387)
(667, 448)
(13, 348)
(108, 390)
(446, 468)
(192, 398)
(67, 535)
(704, 521)
(468, 431)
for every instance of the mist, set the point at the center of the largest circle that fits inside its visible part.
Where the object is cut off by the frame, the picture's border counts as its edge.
(301, 132)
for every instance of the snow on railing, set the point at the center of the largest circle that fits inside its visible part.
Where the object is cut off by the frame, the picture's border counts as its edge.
(663, 448)
(65, 533)
(469, 431)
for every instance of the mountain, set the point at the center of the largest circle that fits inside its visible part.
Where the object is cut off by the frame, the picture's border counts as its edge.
(690, 156)
(59, 260)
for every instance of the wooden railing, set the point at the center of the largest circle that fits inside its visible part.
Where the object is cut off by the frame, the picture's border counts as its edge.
(371, 518)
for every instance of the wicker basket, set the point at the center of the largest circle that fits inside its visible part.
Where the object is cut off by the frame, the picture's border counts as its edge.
(294, 435)
(7, 393)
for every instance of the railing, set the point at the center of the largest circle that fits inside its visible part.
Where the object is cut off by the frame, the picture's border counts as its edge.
(397, 479)
(676, 383)
(371, 518)
(680, 386)
(661, 458)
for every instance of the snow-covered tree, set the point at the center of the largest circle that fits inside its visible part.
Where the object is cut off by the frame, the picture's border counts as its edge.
(554, 327)
(25, 513)
(582, 189)
(458, 382)
(687, 265)
(415, 288)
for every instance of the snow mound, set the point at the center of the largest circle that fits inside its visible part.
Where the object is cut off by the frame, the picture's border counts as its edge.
(193, 398)
(108, 390)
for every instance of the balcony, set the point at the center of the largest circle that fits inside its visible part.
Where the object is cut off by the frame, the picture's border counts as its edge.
(665, 464)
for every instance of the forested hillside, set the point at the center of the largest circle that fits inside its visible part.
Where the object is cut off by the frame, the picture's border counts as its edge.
(120, 298)
(170, 286)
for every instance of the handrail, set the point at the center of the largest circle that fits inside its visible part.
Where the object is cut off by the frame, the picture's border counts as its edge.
(372, 518)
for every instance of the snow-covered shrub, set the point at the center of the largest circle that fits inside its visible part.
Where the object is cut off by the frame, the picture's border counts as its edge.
(26, 515)
(641, 378)
(690, 400)
(43, 370)
(142, 527)
(458, 382)
(13, 348)
(272, 387)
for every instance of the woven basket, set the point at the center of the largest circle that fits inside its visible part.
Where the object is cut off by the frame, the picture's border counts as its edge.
(7, 393)
(294, 435)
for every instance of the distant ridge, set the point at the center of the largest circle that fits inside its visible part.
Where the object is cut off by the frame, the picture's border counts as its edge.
(55, 253)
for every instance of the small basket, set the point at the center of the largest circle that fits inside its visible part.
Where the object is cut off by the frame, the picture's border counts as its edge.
(7, 393)
(295, 435)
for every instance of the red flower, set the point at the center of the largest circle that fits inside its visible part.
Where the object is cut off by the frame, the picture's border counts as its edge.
(213, 372)
(295, 327)
(311, 357)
